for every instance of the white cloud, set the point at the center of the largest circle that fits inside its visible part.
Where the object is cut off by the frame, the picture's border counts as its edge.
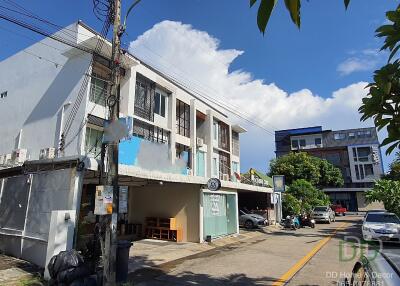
(196, 59)
(365, 60)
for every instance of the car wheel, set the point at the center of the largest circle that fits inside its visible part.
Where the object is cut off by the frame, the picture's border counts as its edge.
(248, 224)
(344, 214)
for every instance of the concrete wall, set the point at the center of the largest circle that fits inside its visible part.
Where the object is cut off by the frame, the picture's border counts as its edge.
(169, 200)
(364, 206)
(37, 90)
(25, 211)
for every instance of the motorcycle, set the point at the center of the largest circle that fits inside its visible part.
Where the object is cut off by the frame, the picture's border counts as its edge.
(291, 222)
(306, 220)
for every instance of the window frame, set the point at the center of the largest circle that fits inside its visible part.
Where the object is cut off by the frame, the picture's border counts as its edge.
(319, 139)
(162, 98)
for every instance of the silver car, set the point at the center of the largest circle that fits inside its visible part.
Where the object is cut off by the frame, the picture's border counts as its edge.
(323, 214)
(250, 221)
(377, 268)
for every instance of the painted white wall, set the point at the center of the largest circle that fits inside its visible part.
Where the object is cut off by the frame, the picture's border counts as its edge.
(38, 88)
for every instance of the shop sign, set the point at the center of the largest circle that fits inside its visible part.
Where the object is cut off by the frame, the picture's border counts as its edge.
(214, 184)
(123, 200)
(215, 205)
(279, 183)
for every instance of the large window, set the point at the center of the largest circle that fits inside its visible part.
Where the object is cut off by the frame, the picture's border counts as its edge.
(93, 139)
(318, 141)
(150, 132)
(302, 142)
(369, 170)
(235, 143)
(339, 136)
(160, 102)
(295, 144)
(144, 98)
(182, 118)
(364, 133)
(98, 90)
(364, 154)
(200, 163)
(224, 166)
(223, 136)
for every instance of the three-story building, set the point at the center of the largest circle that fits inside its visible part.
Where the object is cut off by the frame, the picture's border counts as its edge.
(356, 152)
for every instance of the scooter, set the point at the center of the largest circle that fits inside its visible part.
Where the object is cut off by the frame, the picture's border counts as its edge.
(290, 222)
(305, 220)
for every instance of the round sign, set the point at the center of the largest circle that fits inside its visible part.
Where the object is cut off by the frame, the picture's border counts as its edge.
(214, 184)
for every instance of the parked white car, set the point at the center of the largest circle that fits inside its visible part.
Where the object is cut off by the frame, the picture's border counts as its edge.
(381, 226)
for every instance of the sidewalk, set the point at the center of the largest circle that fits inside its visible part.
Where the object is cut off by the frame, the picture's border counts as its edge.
(15, 272)
(151, 253)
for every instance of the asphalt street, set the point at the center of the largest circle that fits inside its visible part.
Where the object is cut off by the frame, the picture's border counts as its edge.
(307, 256)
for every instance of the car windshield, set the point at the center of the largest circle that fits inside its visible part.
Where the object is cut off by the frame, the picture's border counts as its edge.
(320, 209)
(382, 217)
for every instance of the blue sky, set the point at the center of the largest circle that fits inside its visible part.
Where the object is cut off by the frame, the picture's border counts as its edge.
(333, 49)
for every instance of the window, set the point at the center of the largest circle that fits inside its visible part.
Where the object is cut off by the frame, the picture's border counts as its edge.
(360, 167)
(355, 154)
(357, 172)
(3, 94)
(363, 154)
(318, 141)
(144, 98)
(302, 142)
(160, 100)
(215, 130)
(235, 143)
(364, 133)
(295, 144)
(200, 164)
(351, 135)
(182, 118)
(98, 90)
(224, 165)
(369, 170)
(215, 167)
(150, 132)
(93, 140)
(339, 136)
(223, 136)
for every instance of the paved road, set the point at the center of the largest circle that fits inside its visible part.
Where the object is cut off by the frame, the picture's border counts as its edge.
(266, 259)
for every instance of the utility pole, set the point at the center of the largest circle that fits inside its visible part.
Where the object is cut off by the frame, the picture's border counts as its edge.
(112, 155)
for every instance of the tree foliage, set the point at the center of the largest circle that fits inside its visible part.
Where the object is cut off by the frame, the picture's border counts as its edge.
(290, 205)
(394, 169)
(388, 192)
(320, 173)
(267, 6)
(383, 100)
(308, 195)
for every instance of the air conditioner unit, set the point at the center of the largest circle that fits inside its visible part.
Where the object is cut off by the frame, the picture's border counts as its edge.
(47, 153)
(225, 177)
(200, 142)
(19, 156)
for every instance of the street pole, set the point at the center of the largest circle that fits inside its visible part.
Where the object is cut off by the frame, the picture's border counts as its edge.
(112, 153)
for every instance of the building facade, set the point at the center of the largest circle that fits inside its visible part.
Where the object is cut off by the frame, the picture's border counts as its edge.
(173, 142)
(355, 152)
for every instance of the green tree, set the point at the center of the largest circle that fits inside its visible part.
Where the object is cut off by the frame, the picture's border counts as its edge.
(267, 6)
(383, 100)
(394, 169)
(320, 173)
(290, 205)
(308, 195)
(388, 192)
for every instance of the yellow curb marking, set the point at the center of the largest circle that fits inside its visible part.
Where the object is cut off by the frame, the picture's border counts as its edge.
(295, 268)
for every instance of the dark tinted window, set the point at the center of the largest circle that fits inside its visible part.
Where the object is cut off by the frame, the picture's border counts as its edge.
(385, 218)
(320, 209)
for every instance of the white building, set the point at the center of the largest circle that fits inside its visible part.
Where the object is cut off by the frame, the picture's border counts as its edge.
(179, 140)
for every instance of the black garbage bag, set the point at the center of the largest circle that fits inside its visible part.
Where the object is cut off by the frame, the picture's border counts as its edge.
(64, 260)
(69, 275)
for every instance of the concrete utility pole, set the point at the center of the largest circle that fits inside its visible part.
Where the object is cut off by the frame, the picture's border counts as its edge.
(112, 152)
